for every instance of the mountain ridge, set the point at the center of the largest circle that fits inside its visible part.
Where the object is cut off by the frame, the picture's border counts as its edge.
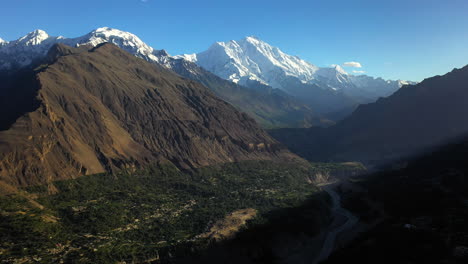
(102, 109)
(35, 45)
(253, 59)
(414, 119)
(271, 109)
(309, 94)
(295, 65)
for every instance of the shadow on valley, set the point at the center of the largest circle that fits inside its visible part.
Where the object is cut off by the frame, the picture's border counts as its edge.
(163, 215)
(281, 235)
(426, 207)
(18, 93)
(408, 122)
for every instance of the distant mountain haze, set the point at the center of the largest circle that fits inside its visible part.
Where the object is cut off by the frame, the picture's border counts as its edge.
(413, 119)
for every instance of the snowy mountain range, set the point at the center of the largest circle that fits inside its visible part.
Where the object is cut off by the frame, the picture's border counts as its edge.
(249, 62)
(252, 60)
(35, 45)
(269, 107)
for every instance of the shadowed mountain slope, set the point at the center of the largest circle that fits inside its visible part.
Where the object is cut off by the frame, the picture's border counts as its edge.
(102, 109)
(425, 202)
(270, 107)
(414, 118)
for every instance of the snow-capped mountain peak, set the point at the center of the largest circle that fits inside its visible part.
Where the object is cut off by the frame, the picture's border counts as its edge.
(188, 57)
(34, 45)
(252, 59)
(122, 39)
(106, 34)
(35, 37)
(339, 69)
(254, 40)
(402, 83)
(248, 61)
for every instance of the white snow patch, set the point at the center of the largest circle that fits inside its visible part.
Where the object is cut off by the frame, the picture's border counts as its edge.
(252, 59)
(188, 57)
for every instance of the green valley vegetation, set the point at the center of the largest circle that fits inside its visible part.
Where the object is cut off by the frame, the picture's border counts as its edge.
(154, 214)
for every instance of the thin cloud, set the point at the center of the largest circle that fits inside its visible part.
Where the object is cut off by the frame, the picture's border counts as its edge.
(353, 64)
(359, 72)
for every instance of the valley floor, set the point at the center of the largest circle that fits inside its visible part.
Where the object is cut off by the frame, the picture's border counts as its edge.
(343, 221)
(156, 214)
(248, 212)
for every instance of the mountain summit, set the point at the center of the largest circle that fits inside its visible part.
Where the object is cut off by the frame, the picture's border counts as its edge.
(35, 45)
(33, 38)
(251, 61)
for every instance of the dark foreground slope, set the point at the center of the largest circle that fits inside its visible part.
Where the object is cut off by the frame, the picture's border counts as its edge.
(97, 110)
(426, 207)
(414, 118)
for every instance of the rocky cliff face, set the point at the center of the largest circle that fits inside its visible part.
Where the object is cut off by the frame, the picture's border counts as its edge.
(100, 109)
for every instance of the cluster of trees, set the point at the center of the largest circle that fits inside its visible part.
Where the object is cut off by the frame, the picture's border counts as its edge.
(157, 212)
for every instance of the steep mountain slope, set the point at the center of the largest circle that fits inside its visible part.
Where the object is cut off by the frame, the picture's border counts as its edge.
(96, 110)
(252, 60)
(414, 118)
(271, 108)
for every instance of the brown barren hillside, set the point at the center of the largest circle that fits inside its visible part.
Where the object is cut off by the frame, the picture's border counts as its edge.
(102, 109)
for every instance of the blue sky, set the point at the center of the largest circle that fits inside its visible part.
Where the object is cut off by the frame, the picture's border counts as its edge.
(395, 39)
